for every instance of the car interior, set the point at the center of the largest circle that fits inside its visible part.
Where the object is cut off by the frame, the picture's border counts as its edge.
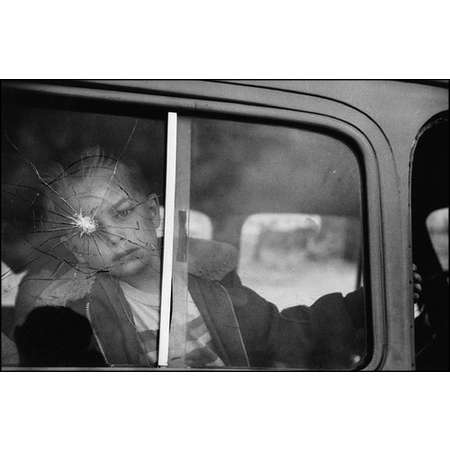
(429, 192)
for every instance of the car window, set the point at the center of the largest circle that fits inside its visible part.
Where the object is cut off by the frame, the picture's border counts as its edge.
(282, 260)
(82, 186)
(267, 233)
(429, 214)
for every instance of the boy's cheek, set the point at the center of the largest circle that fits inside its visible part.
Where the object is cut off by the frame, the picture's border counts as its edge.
(97, 257)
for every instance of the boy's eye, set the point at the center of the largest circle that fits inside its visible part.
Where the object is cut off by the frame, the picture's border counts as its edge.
(124, 212)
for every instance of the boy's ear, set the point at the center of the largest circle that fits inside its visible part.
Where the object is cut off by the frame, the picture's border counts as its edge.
(153, 205)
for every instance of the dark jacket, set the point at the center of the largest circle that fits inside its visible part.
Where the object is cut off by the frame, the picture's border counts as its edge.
(246, 330)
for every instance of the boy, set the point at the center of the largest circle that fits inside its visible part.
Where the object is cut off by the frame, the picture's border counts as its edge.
(107, 221)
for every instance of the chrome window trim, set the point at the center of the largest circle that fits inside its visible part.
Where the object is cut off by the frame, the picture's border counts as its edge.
(169, 223)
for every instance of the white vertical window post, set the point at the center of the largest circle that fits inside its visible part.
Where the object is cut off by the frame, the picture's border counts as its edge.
(169, 222)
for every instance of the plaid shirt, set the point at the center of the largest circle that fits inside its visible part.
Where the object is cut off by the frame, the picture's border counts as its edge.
(197, 347)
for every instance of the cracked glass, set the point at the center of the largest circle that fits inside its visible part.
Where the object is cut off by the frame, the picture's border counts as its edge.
(82, 196)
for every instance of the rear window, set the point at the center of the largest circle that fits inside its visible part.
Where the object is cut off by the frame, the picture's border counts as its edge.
(295, 259)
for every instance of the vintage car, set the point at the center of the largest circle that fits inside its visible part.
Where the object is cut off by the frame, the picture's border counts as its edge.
(308, 192)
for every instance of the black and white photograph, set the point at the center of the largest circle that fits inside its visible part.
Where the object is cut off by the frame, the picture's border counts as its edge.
(214, 225)
(224, 225)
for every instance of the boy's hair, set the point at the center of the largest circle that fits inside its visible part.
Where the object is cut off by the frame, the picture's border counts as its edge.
(93, 159)
(123, 169)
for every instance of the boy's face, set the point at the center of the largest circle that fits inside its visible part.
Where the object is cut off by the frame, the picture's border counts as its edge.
(110, 225)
